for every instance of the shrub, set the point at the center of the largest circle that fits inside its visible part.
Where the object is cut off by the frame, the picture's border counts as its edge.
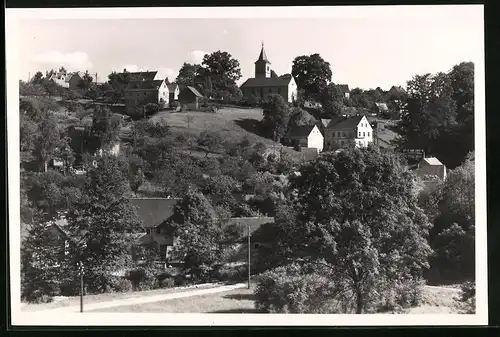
(174, 104)
(123, 286)
(288, 290)
(467, 299)
(395, 296)
(231, 273)
(167, 283)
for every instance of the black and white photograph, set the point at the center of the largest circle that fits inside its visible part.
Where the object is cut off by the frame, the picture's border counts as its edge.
(247, 166)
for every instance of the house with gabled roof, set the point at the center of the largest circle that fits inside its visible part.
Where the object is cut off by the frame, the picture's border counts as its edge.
(430, 168)
(266, 82)
(142, 92)
(344, 89)
(348, 131)
(307, 136)
(173, 90)
(190, 97)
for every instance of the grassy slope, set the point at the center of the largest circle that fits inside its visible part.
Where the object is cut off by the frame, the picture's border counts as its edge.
(227, 122)
(435, 301)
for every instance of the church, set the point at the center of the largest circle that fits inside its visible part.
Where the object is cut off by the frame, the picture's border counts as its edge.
(266, 82)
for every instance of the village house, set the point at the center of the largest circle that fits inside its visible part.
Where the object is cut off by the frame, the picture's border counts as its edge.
(431, 167)
(190, 97)
(173, 90)
(266, 82)
(142, 92)
(60, 79)
(143, 75)
(307, 136)
(74, 80)
(396, 92)
(343, 132)
(381, 108)
(344, 89)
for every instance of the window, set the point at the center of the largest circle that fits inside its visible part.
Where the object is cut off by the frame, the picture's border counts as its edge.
(144, 94)
(363, 134)
(359, 134)
(158, 230)
(343, 134)
(256, 245)
(368, 134)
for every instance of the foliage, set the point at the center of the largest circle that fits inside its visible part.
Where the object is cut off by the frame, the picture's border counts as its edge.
(223, 71)
(467, 299)
(47, 139)
(331, 100)
(358, 211)
(452, 208)
(300, 117)
(440, 114)
(289, 290)
(135, 172)
(101, 224)
(276, 116)
(312, 74)
(210, 141)
(188, 74)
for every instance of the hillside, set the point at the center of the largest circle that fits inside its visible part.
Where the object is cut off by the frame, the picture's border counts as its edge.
(232, 124)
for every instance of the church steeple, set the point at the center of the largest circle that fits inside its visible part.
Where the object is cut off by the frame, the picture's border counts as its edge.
(262, 65)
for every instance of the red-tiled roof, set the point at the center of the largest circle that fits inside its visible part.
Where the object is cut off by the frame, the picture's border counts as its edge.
(266, 82)
(144, 85)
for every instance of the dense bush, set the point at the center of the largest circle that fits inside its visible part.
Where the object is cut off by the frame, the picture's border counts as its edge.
(123, 286)
(231, 273)
(395, 296)
(467, 299)
(288, 290)
(174, 104)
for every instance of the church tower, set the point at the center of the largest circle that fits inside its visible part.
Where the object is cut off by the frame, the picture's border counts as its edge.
(262, 65)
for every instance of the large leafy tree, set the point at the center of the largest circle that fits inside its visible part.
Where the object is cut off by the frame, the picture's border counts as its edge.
(221, 71)
(439, 116)
(188, 74)
(331, 99)
(276, 116)
(356, 212)
(312, 74)
(102, 223)
(47, 140)
(300, 117)
(452, 208)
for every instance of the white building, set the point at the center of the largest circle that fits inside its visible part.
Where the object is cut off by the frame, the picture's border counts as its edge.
(342, 132)
(308, 136)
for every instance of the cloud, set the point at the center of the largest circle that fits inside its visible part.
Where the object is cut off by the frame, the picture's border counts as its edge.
(72, 61)
(196, 56)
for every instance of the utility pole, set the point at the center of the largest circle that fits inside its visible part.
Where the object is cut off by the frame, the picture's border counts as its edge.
(248, 256)
(81, 270)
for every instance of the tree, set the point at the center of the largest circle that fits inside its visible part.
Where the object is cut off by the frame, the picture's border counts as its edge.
(439, 114)
(62, 70)
(86, 81)
(222, 67)
(37, 78)
(28, 134)
(135, 173)
(105, 127)
(331, 100)
(47, 140)
(357, 214)
(101, 224)
(188, 74)
(210, 141)
(300, 117)
(452, 209)
(312, 74)
(276, 116)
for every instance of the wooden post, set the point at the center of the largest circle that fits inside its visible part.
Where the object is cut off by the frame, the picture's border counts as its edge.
(81, 286)
(249, 257)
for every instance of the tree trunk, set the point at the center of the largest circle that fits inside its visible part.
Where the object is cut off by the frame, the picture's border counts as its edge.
(359, 301)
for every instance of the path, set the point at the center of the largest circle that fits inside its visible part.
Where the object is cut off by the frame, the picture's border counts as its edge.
(145, 299)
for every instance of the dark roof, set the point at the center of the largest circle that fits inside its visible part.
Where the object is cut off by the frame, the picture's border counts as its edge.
(144, 75)
(172, 86)
(273, 74)
(398, 89)
(154, 211)
(299, 131)
(266, 82)
(194, 91)
(255, 223)
(144, 85)
(345, 123)
(262, 56)
(344, 88)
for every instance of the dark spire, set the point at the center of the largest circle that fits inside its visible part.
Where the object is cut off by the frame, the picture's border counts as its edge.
(263, 56)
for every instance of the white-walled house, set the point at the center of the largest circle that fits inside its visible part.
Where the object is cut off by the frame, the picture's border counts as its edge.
(144, 92)
(342, 132)
(173, 90)
(307, 136)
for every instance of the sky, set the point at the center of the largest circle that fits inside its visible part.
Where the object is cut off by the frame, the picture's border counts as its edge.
(368, 51)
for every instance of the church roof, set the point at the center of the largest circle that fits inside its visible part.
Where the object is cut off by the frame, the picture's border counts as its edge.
(262, 56)
(266, 82)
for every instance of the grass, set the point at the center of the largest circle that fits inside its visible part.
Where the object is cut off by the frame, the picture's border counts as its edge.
(435, 301)
(233, 301)
(232, 124)
(61, 301)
